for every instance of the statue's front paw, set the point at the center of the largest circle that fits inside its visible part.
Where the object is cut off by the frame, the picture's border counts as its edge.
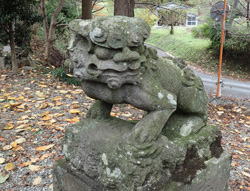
(142, 135)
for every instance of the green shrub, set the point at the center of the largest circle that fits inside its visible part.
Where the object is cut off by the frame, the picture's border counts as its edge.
(202, 31)
(62, 75)
(235, 45)
(146, 15)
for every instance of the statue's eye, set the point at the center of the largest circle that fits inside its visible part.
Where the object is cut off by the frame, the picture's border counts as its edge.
(104, 53)
(77, 63)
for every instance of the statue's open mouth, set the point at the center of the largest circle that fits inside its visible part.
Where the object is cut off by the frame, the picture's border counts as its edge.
(115, 79)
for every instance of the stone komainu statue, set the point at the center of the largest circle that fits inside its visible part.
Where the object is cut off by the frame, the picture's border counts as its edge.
(171, 148)
(116, 67)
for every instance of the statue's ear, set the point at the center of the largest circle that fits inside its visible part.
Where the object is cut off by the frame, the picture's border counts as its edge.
(79, 31)
(80, 26)
(72, 42)
(84, 41)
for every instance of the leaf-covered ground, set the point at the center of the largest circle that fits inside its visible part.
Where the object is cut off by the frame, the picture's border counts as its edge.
(35, 108)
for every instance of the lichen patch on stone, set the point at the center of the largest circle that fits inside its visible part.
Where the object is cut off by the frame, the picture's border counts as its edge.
(171, 99)
(186, 129)
(104, 159)
(160, 95)
(116, 173)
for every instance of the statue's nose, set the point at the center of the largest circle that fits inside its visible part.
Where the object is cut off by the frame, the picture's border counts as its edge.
(77, 73)
(126, 56)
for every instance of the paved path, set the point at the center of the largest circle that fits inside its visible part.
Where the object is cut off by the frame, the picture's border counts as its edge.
(230, 88)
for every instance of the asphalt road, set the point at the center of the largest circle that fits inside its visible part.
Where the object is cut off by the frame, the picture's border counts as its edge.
(229, 88)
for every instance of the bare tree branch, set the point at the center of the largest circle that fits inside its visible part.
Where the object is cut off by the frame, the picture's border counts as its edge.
(98, 10)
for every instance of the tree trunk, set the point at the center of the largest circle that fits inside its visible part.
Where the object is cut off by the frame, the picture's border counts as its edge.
(86, 9)
(124, 7)
(232, 16)
(248, 16)
(45, 19)
(51, 32)
(172, 29)
(13, 48)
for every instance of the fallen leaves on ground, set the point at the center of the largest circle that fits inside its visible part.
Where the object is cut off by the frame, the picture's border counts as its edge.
(234, 122)
(44, 148)
(37, 181)
(9, 166)
(35, 108)
(2, 160)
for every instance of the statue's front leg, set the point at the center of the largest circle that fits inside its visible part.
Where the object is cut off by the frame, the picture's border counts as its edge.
(99, 110)
(150, 127)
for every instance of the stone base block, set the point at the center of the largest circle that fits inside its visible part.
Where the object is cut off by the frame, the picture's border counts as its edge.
(98, 156)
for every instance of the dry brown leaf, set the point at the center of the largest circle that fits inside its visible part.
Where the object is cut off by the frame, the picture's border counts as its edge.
(246, 174)
(13, 144)
(77, 91)
(63, 91)
(21, 126)
(42, 85)
(44, 113)
(44, 105)
(20, 140)
(23, 106)
(2, 160)
(25, 164)
(52, 121)
(37, 181)
(46, 155)
(7, 147)
(11, 98)
(220, 112)
(18, 148)
(73, 120)
(15, 104)
(44, 148)
(74, 111)
(8, 126)
(59, 114)
(23, 121)
(51, 187)
(34, 167)
(34, 159)
(68, 96)
(47, 117)
(57, 98)
(20, 98)
(9, 166)
(75, 106)
(40, 94)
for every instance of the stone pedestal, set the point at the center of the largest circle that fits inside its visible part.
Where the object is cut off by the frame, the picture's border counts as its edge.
(99, 156)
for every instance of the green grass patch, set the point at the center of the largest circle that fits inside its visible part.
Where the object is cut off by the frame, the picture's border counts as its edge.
(181, 44)
(195, 50)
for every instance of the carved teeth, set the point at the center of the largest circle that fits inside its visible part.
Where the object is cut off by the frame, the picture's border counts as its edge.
(114, 83)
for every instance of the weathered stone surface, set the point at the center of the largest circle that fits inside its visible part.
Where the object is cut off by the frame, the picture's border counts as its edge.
(170, 148)
(99, 157)
(133, 74)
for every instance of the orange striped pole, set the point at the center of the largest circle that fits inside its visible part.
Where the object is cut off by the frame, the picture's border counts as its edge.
(222, 40)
